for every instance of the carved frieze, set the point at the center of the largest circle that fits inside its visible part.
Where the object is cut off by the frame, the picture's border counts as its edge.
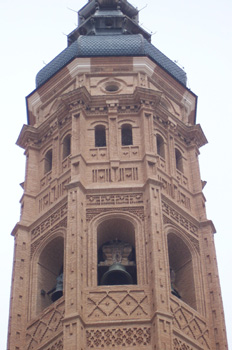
(114, 199)
(180, 219)
(118, 337)
(117, 305)
(47, 326)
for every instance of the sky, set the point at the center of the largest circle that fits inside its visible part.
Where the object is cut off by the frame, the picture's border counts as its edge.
(197, 34)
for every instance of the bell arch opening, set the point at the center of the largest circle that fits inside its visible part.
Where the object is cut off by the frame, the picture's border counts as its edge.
(181, 270)
(116, 252)
(50, 273)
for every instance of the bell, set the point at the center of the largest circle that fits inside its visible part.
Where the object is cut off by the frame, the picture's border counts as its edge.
(116, 275)
(57, 292)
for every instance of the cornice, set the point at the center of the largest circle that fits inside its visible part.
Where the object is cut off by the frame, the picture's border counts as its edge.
(187, 134)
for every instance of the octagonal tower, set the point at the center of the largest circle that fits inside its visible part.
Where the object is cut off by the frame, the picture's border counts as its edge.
(113, 248)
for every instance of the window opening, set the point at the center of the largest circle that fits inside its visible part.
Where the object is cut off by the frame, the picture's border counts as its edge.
(116, 256)
(181, 270)
(100, 136)
(160, 146)
(50, 273)
(66, 146)
(127, 138)
(48, 161)
(179, 160)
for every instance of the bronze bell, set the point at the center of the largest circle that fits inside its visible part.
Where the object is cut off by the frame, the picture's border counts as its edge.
(57, 292)
(116, 275)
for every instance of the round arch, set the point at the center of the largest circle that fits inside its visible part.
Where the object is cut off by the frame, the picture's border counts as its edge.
(47, 265)
(184, 267)
(105, 227)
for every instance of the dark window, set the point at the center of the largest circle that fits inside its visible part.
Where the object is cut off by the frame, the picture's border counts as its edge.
(179, 160)
(127, 138)
(100, 136)
(160, 146)
(66, 146)
(48, 161)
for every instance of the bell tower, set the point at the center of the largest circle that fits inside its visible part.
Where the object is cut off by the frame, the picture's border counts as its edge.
(113, 249)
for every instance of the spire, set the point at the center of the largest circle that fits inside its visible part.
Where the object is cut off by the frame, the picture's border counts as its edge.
(107, 17)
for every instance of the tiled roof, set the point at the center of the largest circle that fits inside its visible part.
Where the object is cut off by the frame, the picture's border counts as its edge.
(110, 45)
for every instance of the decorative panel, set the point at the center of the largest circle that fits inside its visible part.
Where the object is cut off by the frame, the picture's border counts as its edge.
(118, 337)
(46, 327)
(180, 219)
(53, 193)
(114, 199)
(125, 304)
(47, 224)
(190, 323)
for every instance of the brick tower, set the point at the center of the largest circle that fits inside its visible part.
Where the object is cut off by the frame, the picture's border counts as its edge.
(113, 249)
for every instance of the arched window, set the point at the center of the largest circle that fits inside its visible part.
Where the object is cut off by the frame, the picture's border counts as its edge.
(160, 146)
(116, 253)
(50, 273)
(66, 146)
(100, 136)
(179, 160)
(181, 270)
(48, 161)
(127, 137)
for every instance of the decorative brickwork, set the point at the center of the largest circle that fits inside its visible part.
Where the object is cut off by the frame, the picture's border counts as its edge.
(110, 204)
(180, 219)
(53, 193)
(174, 192)
(131, 304)
(46, 327)
(180, 345)
(114, 199)
(58, 345)
(118, 337)
(138, 211)
(193, 326)
(49, 222)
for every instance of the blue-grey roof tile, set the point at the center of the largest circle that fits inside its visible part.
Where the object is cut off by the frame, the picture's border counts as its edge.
(109, 45)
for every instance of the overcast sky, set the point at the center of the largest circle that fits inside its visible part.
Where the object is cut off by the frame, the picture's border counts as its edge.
(197, 34)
